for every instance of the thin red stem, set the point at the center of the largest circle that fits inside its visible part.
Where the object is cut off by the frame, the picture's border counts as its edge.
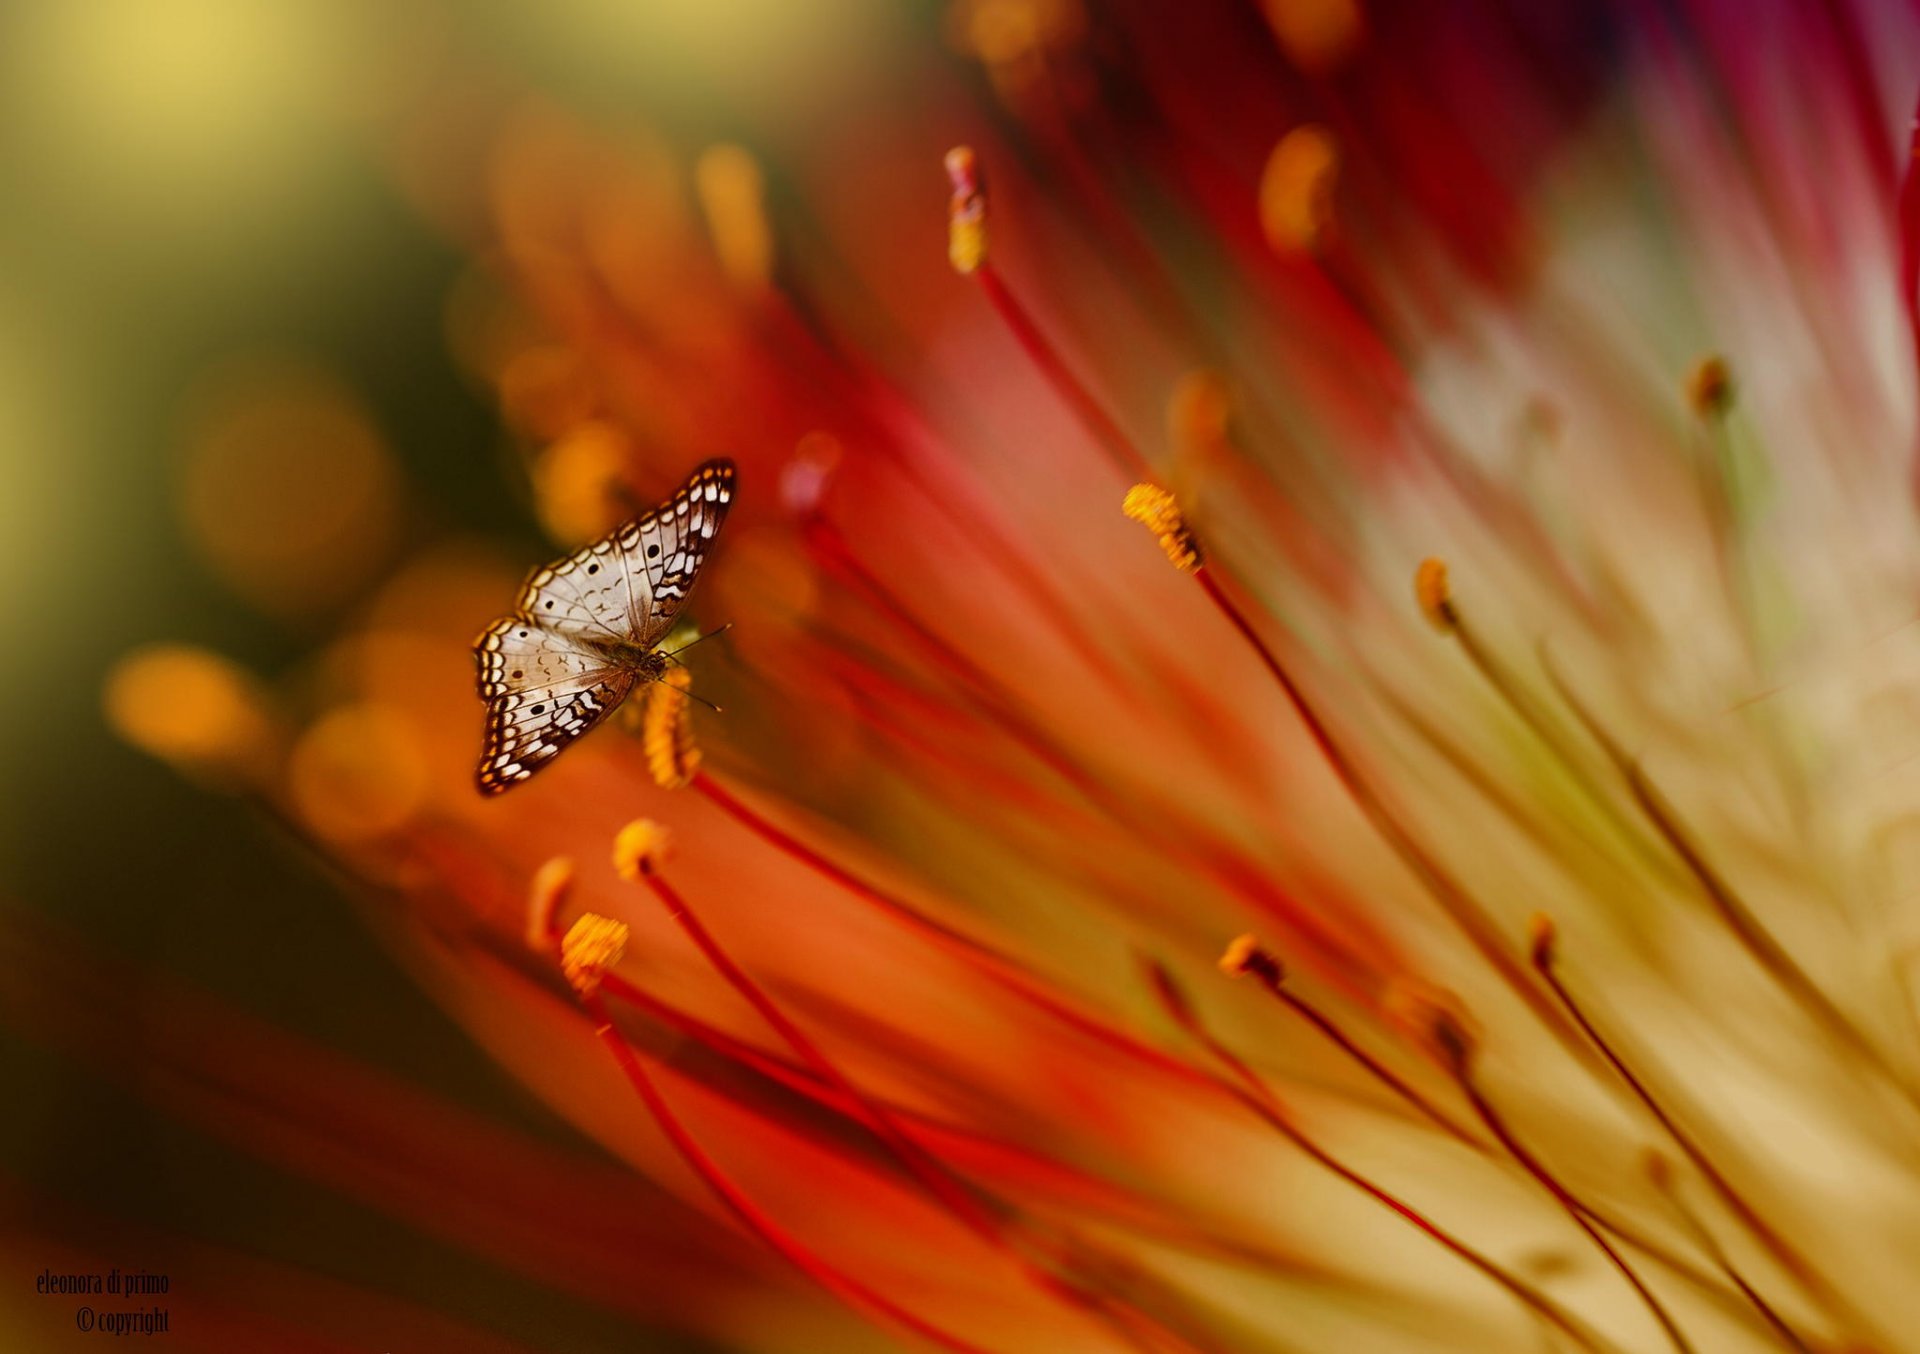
(1392, 1080)
(1107, 1203)
(749, 1214)
(1165, 825)
(1117, 445)
(992, 963)
(922, 1164)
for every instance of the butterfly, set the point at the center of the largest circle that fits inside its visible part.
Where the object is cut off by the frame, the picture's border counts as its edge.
(585, 629)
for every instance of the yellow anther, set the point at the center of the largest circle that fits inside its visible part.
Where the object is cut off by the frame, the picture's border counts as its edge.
(1014, 37)
(1710, 387)
(728, 181)
(1431, 590)
(1245, 955)
(966, 212)
(1318, 35)
(1658, 1168)
(639, 848)
(592, 945)
(191, 708)
(579, 482)
(552, 886)
(1541, 935)
(1433, 1018)
(1159, 512)
(1198, 414)
(666, 730)
(1296, 189)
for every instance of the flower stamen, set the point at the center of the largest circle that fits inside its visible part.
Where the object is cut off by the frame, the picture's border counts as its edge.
(1177, 832)
(1107, 1203)
(1431, 590)
(1245, 955)
(990, 1223)
(966, 249)
(1252, 1091)
(1461, 1052)
(997, 965)
(1158, 511)
(666, 729)
(1435, 595)
(1727, 904)
(1660, 1171)
(1709, 387)
(739, 1204)
(552, 887)
(966, 212)
(1459, 905)
(592, 945)
(1544, 947)
(639, 848)
(1296, 190)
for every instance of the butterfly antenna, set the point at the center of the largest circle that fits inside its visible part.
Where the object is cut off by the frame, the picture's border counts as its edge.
(697, 640)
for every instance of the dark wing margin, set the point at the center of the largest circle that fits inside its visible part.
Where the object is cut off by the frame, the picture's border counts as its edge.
(665, 548)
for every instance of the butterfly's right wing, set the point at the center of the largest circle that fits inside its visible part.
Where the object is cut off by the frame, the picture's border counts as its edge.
(630, 586)
(665, 548)
(543, 690)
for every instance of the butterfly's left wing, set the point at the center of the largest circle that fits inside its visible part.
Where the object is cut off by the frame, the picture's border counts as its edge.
(588, 593)
(543, 689)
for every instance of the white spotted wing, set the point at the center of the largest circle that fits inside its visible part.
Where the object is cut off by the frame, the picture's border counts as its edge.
(584, 629)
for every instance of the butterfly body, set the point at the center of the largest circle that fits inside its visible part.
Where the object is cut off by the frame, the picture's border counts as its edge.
(645, 664)
(586, 629)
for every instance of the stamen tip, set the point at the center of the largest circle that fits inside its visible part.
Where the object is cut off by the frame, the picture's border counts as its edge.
(1435, 594)
(1454, 1040)
(1245, 955)
(1157, 510)
(966, 212)
(1434, 1018)
(666, 730)
(639, 849)
(1542, 935)
(963, 169)
(1709, 387)
(593, 944)
(1296, 189)
(1199, 413)
(552, 887)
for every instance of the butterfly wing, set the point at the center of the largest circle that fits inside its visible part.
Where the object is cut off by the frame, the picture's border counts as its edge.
(665, 548)
(588, 593)
(543, 690)
(632, 584)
